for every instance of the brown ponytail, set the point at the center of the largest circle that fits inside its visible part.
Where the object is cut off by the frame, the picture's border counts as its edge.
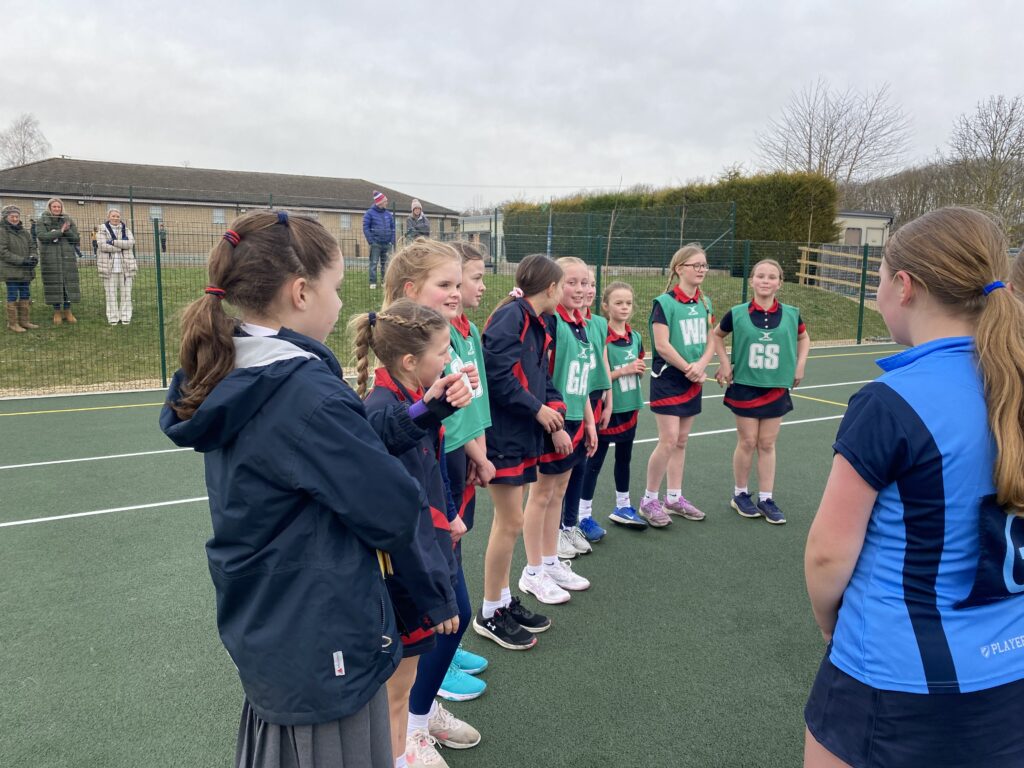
(955, 253)
(534, 275)
(271, 248)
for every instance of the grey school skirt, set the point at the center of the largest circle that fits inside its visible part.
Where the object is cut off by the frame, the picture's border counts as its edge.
(361, 740)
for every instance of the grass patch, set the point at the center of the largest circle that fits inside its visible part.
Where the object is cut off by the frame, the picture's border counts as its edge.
(93, 355)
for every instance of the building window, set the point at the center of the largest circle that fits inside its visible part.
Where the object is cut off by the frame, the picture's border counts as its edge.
(39, 206)
(218, 216)
(852, 236)
(346, 220)
(876, 236)
(156, 212)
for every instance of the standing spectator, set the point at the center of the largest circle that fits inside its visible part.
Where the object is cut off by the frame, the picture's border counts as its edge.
(17, 267)
(58, 245)
(117, 266)
(417, 225)
(163, 238)
(32, 225)
(379, 230)
(95, 240)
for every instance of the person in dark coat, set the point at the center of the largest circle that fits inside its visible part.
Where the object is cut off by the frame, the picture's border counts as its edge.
(17, 268)
(58, 245)
(379, 230)
(417, 225)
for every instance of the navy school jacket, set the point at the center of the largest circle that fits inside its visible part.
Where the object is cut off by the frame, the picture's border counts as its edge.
(515, 343)
(302, 491)
(422, 587)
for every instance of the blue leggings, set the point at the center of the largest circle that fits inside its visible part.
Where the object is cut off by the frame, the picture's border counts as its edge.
(17, 290)
(434, 665)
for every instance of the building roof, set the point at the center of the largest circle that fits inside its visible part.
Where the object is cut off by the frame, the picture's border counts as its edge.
(868, 214)
(98, 180)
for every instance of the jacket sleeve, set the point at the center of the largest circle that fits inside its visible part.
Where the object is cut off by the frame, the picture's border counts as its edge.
(103, 245)
(6, 255)
(423, 572)
(503, 359)
(345, 467)
(452, 510)
(47, 234)
(367, 223)
(127, 245)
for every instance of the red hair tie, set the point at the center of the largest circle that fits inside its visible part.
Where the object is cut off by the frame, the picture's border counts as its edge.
(213, 290)
(232, 237)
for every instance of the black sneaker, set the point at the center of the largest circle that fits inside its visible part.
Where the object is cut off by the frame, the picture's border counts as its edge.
(772, 513)
(504, 630)
(527, 619)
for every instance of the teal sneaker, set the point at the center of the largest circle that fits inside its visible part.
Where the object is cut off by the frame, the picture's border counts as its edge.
(470, 663)
(458, 686)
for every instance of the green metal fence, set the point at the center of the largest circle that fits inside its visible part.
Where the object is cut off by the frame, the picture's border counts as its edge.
(93, 355)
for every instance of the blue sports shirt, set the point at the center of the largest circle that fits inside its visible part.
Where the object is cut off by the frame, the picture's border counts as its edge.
(934, 604)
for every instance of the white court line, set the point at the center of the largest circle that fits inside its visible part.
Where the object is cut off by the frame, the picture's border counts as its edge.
(180, 450)
(104, 511)
(92, 458)
(813, 386)
(733, 429)
(205, 498)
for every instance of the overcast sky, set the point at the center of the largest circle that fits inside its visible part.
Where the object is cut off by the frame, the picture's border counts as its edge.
(474, 103)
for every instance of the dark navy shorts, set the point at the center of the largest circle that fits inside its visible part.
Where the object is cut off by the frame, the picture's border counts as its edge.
(421, 641)
(757, 402)
(872, 728)
(554, 463)
(672, 394)
(513, 470)
(621, 428)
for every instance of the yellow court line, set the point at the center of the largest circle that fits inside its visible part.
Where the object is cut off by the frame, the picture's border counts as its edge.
(79, 410)
(817, 399)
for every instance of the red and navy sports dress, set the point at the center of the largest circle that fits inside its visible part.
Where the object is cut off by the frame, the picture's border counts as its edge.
(759, 402)
(515, 343)
(421, 587)
(565, 376)
(673, 394)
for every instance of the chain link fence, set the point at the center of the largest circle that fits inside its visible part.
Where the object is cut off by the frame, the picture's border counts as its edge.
(93, 355)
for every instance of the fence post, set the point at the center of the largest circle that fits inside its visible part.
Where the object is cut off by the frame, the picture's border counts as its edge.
(551, 231)
(160, 302)
(131, 206)
(597, 288)
(863, 290)
(732, 238)
(746, 267)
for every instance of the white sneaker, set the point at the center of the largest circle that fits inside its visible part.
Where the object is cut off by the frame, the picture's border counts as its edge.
(566, 547)
(543, 588)
(579, 540)
(448, 730)
(420, 749)
(563, 575)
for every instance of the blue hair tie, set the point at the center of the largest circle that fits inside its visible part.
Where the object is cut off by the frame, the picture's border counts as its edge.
(282, 217)
(993, 287)
(372, 318)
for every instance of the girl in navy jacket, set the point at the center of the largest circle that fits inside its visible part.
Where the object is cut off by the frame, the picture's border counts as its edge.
(302, 607)
(524, 406)
(412, 343)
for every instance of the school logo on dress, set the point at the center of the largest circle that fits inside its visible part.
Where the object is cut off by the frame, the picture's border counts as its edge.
(765, 336)
(339, 664)
(629, 355)
(693, 312)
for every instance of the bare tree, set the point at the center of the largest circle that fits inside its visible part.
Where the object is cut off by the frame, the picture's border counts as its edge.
(987, 152)
(23, 142)
(843, 135)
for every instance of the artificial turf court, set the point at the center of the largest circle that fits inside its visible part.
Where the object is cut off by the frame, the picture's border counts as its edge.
(694, 647)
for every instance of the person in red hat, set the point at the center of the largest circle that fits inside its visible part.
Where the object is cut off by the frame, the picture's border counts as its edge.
(379, 230)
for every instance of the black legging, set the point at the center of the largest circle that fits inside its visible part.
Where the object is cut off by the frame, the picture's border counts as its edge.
(623, 458)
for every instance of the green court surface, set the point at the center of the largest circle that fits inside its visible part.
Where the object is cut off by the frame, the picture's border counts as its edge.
(694, 647)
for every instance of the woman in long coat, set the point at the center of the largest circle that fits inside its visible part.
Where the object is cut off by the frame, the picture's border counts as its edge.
(116, 264)
(58, 239)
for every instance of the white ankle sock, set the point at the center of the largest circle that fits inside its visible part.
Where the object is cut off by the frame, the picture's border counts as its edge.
(736, 490)
(586, 508)
(650, 495)
(400, 761)
(550, 561)
(417, 722)
(506, 597)
(764, 495)
(533, 570)
(672, 495)
(490, 607)
(622, 499)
